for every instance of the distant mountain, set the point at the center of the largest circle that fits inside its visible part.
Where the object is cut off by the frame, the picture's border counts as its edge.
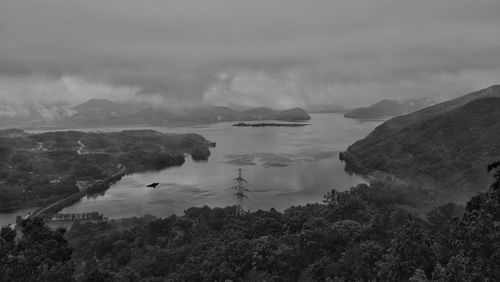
(94, 105)
(326, 108)
(389, 108)
(435, 110)
(208, 114)
(102, 112)
(260, 113)
(445, 146)
(295, 114)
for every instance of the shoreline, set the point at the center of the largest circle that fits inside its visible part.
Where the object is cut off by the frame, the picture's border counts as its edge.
(371, 175)
(49, 208)
(53, 208)
(96, 166)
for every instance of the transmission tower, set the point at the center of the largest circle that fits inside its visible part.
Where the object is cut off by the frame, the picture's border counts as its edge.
(240, 190)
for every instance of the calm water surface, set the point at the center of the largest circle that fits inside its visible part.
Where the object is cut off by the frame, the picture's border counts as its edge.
(284, 166)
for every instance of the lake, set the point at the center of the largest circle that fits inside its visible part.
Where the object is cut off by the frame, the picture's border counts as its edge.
(284, 166)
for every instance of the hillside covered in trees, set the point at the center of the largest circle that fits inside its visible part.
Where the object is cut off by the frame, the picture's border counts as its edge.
(389, 108)
(444, 146)
(365, 234)
(36, 169)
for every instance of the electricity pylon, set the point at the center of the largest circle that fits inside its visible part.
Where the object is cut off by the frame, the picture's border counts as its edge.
(240, 190)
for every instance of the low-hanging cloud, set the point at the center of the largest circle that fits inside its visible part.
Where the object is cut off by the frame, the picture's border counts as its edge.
(53, 98)
(252, 53)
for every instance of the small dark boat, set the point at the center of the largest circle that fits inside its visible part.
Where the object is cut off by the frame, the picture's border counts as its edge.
(153, 185)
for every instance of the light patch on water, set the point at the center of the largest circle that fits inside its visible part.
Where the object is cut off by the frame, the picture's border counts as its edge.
(283, 166)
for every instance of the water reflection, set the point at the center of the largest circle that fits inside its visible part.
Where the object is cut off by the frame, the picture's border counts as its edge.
(284, 166)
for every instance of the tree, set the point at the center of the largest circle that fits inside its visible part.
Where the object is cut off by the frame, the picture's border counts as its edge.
(496, 175)
(39, 255)
(411, 249)
(359, 261)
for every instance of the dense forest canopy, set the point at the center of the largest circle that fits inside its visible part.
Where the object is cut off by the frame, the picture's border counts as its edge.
(366, 233)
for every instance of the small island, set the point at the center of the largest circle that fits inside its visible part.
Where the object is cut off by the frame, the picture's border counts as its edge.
(269, 124)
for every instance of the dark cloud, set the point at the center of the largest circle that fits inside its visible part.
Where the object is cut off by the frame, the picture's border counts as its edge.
(223, 51)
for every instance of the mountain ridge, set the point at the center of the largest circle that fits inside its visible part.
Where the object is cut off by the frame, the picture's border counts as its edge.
(389, 108)
(445, 146)
(104, 112)
(397, 122)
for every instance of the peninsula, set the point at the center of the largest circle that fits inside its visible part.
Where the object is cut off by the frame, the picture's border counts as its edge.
(41, 169)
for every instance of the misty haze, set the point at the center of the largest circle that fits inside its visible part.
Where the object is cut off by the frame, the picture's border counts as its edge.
(230, 140)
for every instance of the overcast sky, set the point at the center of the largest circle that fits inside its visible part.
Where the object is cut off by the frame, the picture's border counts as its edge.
(257, 53)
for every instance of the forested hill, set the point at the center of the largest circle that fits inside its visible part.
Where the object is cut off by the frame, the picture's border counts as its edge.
(364, 234)
(37, 169)
(389, 108)
(436, 110)
(448, 150)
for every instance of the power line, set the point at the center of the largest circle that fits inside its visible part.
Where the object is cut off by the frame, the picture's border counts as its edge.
(254, 202)
(257, 198)
(260, 203)
(263, 198)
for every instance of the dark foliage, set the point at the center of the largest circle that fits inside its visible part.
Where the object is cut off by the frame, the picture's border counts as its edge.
(447, 150)
(39, 255)
(200, 153)
(366, 234)
(36, 169)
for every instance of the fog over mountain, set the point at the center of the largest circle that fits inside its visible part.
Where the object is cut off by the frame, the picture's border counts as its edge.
(249, 140)
(278, 54)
